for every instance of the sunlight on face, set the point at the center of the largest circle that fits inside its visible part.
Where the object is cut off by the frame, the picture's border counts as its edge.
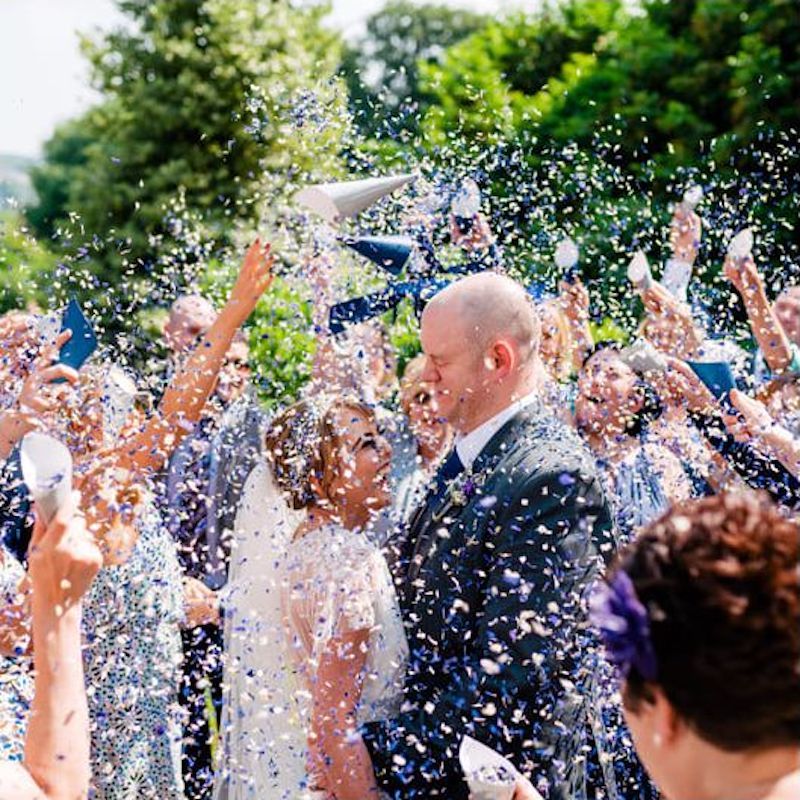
(359, 474)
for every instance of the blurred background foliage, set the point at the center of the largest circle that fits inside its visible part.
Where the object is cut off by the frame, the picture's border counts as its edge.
(584, 116)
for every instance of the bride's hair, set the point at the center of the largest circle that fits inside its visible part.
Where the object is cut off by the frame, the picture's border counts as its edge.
(301, 443)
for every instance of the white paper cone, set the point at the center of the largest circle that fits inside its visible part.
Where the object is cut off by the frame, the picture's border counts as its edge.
(643, 357)
(742, 244)
(639, 272)
(692, 196)
(676, 278)
(47, 472)
(566, 254)
(335, 201)
(489, 775)
(119, 396)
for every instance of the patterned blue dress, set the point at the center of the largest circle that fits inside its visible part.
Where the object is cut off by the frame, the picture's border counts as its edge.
(16, 681)
(133, 652)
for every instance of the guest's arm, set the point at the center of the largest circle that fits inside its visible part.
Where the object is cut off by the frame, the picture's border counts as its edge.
(544, 547)
(766, 327)
(756, 470)
(758, 426)
(575, 301)
(658, 302)
(63, 563)
(186, 395)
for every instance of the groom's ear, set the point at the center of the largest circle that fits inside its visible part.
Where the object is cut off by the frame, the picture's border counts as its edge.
(502, 358)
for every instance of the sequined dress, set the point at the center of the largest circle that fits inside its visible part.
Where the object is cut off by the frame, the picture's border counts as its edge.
(133, 651)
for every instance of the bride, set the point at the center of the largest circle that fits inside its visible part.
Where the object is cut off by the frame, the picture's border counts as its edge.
(315, 644)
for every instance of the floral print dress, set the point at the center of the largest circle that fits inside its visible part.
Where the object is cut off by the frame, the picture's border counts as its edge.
(16, 681)
(132, 619)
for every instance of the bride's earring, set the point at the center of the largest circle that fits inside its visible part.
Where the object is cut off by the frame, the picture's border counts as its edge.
(658, 739)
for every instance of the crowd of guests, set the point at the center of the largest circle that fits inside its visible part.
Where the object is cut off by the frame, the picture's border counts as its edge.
(436, 541)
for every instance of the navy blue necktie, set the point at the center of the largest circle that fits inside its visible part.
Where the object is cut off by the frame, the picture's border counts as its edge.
(450, 469)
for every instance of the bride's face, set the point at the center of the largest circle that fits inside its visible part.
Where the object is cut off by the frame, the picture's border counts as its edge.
(359, 469)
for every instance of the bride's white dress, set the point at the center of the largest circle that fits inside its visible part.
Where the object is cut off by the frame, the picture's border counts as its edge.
(285, 601)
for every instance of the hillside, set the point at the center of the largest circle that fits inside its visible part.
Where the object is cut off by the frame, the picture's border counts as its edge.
(15, 186)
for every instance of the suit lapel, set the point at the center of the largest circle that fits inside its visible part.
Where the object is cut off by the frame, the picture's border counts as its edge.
(426, 520)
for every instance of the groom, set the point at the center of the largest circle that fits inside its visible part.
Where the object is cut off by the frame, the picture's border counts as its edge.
(493, 570)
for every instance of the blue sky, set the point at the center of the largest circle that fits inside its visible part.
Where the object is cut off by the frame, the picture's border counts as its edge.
(43, 79)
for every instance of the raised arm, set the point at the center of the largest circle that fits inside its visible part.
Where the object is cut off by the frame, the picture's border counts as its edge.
(766, 327)
(575, 301)
(186, 395)
(63, 563)
(38, 396)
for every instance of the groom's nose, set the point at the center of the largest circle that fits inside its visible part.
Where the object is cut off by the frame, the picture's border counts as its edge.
(429, 374)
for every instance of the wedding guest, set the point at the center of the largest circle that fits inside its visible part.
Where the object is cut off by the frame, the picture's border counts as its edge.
(556, 345)
(204, 482)
(701, 616)
(63, 561)
(614, 410)
(423, 442)
(134, 610)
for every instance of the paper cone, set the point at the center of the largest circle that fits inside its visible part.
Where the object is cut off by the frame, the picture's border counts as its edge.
(119, 396)
(676, 277)
(335, 201)
(489, 775)
(742, 244)
(641, 356)
(639, 271)
(388, 252)
(47, 472)
(566, 254)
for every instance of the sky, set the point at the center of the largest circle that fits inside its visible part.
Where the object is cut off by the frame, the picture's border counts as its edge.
(43, 77)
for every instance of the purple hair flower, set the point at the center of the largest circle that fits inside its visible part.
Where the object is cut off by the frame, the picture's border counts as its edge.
(624, 626)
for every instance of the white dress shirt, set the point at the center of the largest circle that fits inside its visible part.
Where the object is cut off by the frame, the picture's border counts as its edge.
(469, 447)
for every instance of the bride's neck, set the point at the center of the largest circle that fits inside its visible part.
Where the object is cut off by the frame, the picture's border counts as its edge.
(318, 516)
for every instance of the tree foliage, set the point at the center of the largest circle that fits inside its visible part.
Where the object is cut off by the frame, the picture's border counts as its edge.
(202, 99)
(382, 67)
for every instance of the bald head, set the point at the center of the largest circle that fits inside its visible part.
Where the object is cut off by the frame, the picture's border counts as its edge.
(488, 307)
(480, 337)
(190, 316)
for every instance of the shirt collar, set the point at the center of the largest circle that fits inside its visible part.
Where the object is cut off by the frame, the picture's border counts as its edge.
(469, 447)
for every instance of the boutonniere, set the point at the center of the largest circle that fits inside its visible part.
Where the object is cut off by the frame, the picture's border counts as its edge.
(465, 487)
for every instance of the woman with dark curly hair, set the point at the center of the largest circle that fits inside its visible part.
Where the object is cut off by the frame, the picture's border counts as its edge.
(702, 618)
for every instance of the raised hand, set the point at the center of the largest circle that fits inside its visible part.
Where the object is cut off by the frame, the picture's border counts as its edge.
(62, 560)
(200, 604)
(685, 232)
(575, 300)
(38, 393)
(684, 387)
(479, 236)
(255, 277)
(753, 414)
(743, 274)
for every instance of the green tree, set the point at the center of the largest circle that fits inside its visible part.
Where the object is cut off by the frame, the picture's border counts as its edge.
(26, 268)
(210, 101)
(608, 109)
(382, 68)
